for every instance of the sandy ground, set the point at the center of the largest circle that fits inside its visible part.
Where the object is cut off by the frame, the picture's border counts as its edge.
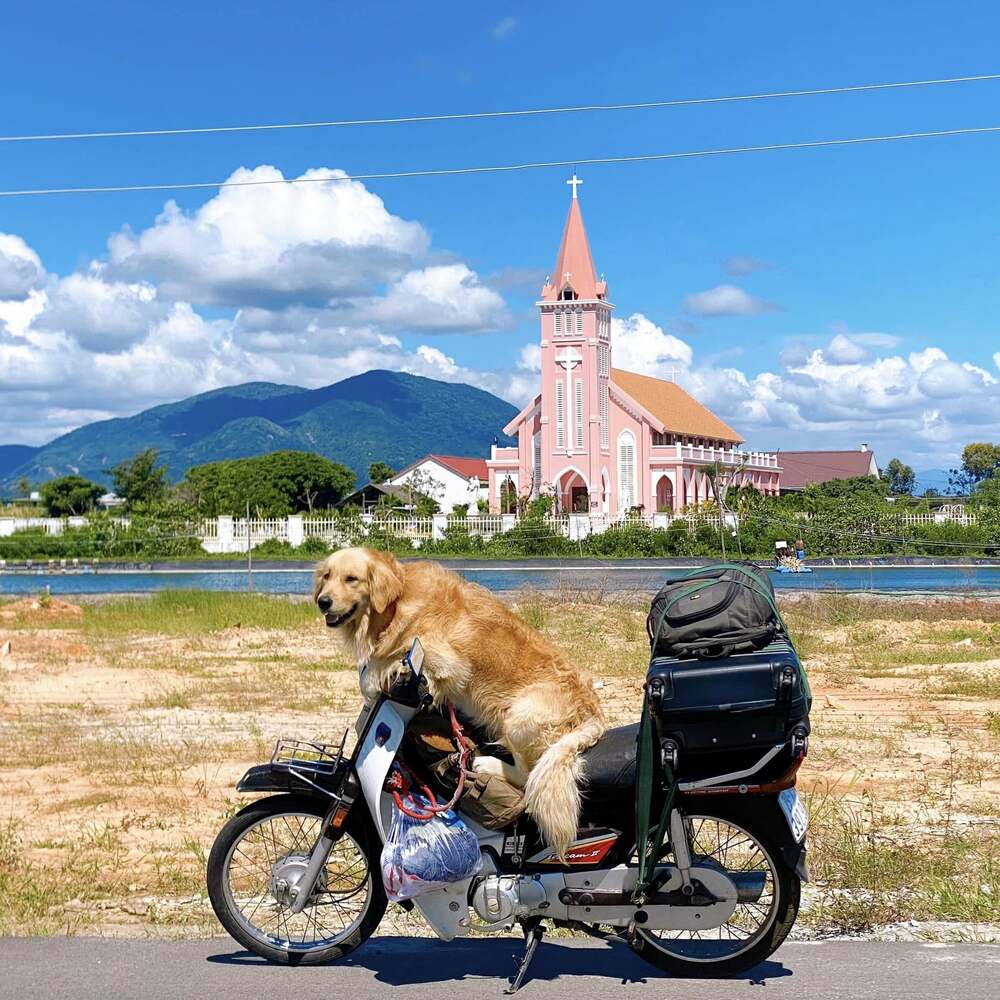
(119, 753)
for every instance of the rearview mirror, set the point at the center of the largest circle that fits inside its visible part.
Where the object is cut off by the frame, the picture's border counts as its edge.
(414, 659)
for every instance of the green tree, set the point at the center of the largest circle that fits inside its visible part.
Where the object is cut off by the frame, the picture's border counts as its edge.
(282, 482)
(899, 477)
(987, 501)
(139, 481)
(379, 472)
(979, 461)
(69, 496)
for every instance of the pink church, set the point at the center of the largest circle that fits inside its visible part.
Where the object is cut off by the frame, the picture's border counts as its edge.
(605, 441)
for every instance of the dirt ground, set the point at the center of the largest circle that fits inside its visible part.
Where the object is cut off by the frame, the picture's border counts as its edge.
(120, 746)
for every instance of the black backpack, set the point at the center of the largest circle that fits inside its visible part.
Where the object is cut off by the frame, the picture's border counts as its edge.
(714, 611)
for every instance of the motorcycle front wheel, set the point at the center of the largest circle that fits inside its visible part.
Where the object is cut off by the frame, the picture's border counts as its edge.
(261, 852)
(755, 929)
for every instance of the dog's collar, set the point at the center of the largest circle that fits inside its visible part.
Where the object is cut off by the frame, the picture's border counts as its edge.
(390, 613)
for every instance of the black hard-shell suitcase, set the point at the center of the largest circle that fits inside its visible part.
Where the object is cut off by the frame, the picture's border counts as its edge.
(724, 714)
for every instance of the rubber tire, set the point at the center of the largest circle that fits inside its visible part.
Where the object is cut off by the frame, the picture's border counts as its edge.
(357, 825)
(790, 888)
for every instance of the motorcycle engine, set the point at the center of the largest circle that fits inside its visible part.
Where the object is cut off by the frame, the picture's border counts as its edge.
(500, 899)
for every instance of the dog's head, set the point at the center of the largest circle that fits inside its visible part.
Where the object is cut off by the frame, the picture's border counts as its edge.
(352, 582)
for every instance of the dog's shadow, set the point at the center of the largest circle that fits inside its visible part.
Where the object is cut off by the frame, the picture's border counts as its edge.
(399, 961)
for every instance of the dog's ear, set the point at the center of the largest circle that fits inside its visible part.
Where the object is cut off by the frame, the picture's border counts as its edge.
(319, 577)
(385, 579)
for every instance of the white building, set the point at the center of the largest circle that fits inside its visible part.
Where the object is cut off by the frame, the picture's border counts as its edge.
(448, 479)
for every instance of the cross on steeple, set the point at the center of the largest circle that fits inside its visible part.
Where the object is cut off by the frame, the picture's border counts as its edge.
(574, 182)
(674, 372)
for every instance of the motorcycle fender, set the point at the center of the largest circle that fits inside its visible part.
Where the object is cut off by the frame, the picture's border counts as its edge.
(446, 910)
(795, 858)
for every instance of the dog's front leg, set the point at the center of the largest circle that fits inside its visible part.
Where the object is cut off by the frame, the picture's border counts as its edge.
(516, 774)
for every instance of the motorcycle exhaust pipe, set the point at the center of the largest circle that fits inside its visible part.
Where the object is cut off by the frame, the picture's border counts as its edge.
(749, 885)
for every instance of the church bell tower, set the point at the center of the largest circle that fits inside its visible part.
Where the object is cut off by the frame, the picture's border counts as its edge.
(572, 448)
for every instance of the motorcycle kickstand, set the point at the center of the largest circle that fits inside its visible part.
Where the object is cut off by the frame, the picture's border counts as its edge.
(533, 931)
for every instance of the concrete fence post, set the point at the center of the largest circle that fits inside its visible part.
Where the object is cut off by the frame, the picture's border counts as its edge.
(508, 522)
(439, 522)
(296, 530)
(225, 534)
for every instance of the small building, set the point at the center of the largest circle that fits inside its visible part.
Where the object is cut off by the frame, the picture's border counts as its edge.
(373, 495)
(799, 469)
(447, 479)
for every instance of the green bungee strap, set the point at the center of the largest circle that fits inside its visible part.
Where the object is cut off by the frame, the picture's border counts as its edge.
(648, 849)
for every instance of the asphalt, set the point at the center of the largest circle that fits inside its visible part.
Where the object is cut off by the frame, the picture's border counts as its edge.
(424, 969)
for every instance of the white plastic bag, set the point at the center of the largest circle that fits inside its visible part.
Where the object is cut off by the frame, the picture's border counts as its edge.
(422, 855)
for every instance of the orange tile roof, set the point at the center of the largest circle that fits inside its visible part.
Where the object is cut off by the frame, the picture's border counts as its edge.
(679, 412)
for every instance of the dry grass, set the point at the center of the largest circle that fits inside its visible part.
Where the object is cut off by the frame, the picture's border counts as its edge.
(123, 731)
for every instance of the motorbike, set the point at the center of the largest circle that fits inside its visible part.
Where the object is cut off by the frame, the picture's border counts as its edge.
(295, 877)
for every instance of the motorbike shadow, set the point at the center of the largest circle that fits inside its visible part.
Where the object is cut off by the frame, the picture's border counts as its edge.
(401, 961)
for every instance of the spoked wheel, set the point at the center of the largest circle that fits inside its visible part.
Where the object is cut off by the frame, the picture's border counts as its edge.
(756, 927)
(255, 863)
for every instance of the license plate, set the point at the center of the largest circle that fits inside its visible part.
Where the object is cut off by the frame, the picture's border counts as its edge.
(795, 813)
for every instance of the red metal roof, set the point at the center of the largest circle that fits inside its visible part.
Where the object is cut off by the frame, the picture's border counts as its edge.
(800, 468)
(467, 467)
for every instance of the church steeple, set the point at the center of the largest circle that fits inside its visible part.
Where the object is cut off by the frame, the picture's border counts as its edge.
(574, 276)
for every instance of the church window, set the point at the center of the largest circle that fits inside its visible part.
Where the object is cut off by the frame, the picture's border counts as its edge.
(626, 471)
(579, 320)
(558, 322)
(604, 405)
(603, 360)
(578, 406)
(560, 415)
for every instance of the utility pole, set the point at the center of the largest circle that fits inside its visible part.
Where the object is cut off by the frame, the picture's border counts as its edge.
(249, 554)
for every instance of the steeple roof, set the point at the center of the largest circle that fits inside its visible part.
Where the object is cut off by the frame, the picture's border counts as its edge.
(574, 264)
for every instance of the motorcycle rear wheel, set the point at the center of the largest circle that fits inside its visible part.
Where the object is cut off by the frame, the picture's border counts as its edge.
(717, 953)
(268, 843)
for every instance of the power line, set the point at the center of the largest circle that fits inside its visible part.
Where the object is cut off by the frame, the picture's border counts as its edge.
(518, 113)
(500, 168)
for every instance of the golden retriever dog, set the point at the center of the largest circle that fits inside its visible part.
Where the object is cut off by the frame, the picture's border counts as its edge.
(482, 658)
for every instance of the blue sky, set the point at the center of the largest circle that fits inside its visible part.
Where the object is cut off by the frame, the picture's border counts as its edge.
(865, 303)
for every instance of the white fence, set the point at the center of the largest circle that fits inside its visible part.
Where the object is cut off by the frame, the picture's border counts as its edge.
(223, 535)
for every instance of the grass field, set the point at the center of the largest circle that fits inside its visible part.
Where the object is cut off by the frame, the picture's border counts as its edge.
(125, 724)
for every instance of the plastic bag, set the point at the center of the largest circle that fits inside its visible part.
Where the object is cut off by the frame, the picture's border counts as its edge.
(422, 855)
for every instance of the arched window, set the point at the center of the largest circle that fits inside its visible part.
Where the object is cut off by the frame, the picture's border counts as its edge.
(626, 471)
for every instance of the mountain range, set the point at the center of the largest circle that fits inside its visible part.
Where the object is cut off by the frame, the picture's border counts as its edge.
(377, 416)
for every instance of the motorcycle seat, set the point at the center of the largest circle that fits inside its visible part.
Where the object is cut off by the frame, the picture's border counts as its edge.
(609, 765)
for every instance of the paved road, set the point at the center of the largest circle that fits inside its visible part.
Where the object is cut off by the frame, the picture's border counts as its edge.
(423, 969)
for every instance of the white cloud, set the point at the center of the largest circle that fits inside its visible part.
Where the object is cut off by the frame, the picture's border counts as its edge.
(845, 350)
(530, 358)
(504, 27)
(443, 297)
(639, 345)
(20, 268)
(101, 315)
(273, 243)
(726, 300)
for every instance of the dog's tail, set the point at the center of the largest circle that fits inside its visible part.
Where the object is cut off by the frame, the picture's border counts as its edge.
(552, 791)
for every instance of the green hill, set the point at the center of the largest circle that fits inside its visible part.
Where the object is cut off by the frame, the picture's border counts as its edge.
(380, 415)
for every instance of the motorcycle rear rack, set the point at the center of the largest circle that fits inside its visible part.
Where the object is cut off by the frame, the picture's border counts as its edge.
(309, 761)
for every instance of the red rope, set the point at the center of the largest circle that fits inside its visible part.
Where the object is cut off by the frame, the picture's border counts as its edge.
(402, 782)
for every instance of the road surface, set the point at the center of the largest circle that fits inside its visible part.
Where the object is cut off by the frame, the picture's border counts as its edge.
(425, 969)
